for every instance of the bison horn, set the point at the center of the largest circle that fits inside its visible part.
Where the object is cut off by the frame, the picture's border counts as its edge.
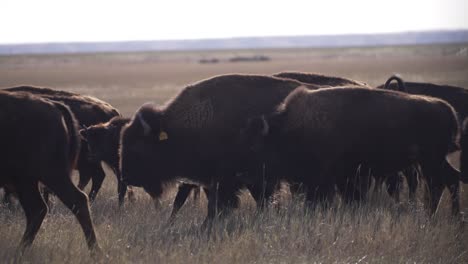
(146, 126)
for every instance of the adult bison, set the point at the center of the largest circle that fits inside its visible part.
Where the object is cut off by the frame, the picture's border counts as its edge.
(457, 97)
(320, 137)
(103, 145)
(194, 136)
(88, 111)
(321, 81)
(40, 143)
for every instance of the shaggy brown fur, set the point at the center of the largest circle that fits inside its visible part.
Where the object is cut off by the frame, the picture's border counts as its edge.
(195, 135)
(322, 136)
(457, 97)
(40, 143)
(88, 111)
(320, 79)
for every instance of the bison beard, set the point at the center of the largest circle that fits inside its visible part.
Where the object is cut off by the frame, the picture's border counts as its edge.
(321, 137)
(40, 143)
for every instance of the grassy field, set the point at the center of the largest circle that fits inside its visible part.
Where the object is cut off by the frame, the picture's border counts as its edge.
(377, 232)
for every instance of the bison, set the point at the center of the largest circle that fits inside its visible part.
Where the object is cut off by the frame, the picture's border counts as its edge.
(102, 141)
(88, 111)
(457, 97)
(320, 137)
(103, 145)
(40, 143)
(194, 136)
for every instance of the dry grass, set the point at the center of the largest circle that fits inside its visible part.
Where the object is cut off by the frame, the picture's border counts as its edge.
(379, 231)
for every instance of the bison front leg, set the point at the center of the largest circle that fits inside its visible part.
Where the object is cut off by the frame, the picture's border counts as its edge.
(35, 210)
(411, 175)
(181, 197)
(222, 198)
(121, 188)
(95, 171)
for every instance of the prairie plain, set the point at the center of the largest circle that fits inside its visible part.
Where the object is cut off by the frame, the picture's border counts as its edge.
(379, 231)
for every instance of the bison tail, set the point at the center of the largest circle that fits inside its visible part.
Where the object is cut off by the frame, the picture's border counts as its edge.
(399, 80)
(73, 134)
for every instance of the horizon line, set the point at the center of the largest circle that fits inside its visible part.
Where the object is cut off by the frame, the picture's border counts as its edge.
(228, 38)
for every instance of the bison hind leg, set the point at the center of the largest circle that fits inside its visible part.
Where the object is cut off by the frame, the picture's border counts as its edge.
(452, 177)
(77, 202)
(433, 174)
(352, 185)
(35, 210)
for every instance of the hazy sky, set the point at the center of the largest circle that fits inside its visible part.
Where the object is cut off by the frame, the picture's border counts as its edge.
(23, 21)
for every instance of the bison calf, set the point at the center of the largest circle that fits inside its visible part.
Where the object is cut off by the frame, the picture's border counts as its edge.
(103, 145)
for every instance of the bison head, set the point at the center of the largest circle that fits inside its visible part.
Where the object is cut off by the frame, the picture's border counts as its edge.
(464, 152)
(103, 140)
(95, 138)
(145, 155)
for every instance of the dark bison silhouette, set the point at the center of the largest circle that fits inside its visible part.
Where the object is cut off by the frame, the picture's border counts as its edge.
(457, 97)
(88, 111)
(102, 141)
(195, 136)
(320, 137)
(321, 81)
(103, 144)
(40, 143)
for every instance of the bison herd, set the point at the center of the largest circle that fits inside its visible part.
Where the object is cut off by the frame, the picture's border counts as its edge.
(321, 134)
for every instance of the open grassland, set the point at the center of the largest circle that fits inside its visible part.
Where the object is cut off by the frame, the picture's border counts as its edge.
(376, 232)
